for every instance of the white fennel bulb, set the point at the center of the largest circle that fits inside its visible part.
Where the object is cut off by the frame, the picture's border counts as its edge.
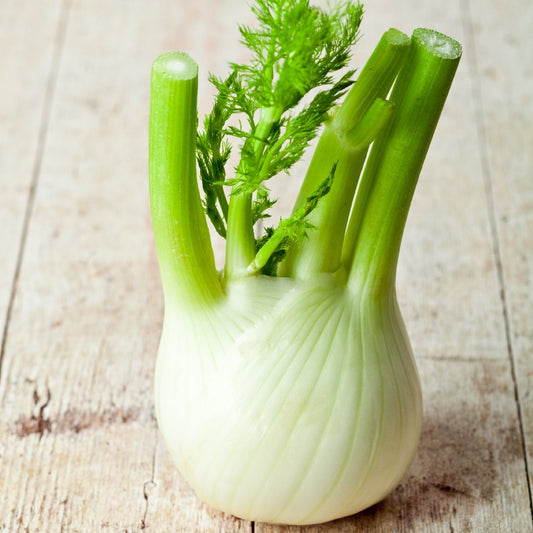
(290, 402)
(285, 386)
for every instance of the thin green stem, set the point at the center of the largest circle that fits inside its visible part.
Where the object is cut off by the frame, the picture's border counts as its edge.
(344, 142)
(222, 201)
(181, 235)
(264, 254)
(396, 160)
(240, 240)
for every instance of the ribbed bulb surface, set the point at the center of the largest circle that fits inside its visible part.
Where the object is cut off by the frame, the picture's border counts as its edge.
(289, 402)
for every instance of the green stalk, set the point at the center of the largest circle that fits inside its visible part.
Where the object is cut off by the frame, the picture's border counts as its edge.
(375, 80)
(321, 250)
(222, 201)
(240, 239)
(344, 142)
(181, 235)
(396, 161)
(264, 254)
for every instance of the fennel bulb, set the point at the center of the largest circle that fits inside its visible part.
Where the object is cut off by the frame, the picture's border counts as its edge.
(289, 401)
(285, 386)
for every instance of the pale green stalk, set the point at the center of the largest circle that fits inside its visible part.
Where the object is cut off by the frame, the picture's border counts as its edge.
(375, 232)
(240, 240)
(344, 142)
(181, 235)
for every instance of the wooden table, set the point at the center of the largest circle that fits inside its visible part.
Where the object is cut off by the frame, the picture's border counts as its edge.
(80, 298)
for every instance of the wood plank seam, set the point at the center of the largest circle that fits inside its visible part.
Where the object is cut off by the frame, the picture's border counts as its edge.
(479, 113)
(49, 91)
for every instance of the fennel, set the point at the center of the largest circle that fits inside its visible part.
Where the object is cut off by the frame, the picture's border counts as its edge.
(286, 388)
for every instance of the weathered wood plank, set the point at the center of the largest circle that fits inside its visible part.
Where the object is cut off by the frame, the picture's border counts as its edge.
(76, 401)
(25, 72)
(502, 65)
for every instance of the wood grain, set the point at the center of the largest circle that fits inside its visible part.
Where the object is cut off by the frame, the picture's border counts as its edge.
(27, 77)
(79, 446)
(502, 66)
(76, 400)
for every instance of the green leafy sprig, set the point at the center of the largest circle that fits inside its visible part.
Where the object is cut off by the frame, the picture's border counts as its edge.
(296, 49)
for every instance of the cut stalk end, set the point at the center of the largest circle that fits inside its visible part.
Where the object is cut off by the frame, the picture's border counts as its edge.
(176, 66)
(438, 44)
